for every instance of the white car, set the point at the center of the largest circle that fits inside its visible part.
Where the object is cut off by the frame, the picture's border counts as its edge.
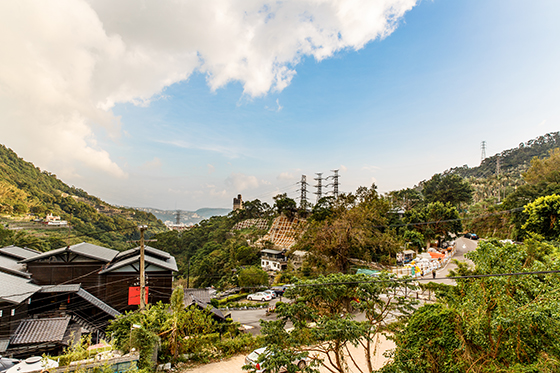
(260, 296)
(252, 358)
(271, 292)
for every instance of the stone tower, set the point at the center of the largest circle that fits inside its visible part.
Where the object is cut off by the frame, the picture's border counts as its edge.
(238, 203)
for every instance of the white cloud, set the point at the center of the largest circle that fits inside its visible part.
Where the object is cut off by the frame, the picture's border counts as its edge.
(239, 182)
(154, 164)
(371, 168)
(66, 63)
(285, 176)
(211, 168)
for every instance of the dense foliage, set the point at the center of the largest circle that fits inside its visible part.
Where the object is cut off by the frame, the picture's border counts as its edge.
(489, 324)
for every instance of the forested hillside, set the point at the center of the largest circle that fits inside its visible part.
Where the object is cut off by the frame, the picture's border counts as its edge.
(26, 190)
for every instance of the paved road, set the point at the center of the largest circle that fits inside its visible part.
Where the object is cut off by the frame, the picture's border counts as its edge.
(463, 245)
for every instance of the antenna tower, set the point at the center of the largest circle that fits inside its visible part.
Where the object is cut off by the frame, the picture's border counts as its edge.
(483, 151)
(334, 183)
(303, 190)
(319, 185)
(178, 217)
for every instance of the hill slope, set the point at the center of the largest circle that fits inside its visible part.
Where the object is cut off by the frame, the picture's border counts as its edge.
(25, 189)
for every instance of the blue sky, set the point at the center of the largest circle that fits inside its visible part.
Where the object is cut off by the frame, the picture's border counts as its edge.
(399, 109)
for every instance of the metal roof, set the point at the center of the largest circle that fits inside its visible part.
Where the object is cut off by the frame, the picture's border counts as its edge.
(19, 252)
(271, 251)
(169, 264)
(4, 344)
(31, 331)
(76, 288)
(147, 249)
(202, 295)
(70, 288)
(12, 266)
(99, 303)
(85, 249)
(16, 289)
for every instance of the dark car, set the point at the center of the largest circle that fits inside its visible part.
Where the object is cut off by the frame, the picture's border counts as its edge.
(471, 236)
(279, 290)
(6, 363)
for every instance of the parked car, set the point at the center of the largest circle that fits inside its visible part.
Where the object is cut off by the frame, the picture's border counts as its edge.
(260, 296)
(271, 292)
(6, 363)
(471, 236)
(253, 357)
(32, 364)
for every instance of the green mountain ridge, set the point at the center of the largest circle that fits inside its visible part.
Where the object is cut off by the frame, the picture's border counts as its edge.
(26, 192)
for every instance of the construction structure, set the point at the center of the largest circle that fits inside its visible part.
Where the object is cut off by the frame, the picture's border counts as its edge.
(238, 203)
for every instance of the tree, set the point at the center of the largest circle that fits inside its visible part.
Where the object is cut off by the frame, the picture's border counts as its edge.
(543, 217)
(406, 199)
(321, 313)
(447, 188)
(545, 170)
(436, 220)
(252, 277)
(488, 324)
(285, 205)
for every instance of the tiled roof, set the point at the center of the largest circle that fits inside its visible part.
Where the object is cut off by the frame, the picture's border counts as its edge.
(200, 294)
(16, 289)
(19, 253)
(169, 264)
(85, 249)
(4, 344)
(70, 288)
(11, 265)
(31, 331)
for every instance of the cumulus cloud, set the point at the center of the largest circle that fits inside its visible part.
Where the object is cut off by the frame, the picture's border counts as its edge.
(66, 63)
(239, 181)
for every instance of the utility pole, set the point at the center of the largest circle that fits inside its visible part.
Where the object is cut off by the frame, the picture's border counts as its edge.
(303, 190)
(142, 269)
(483, 151)
(319, 185)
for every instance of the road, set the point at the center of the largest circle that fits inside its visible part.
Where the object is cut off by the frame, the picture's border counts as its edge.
(463, 246)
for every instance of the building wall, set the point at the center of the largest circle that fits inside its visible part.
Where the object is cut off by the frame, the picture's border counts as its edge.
(85, 274)
(9, 322)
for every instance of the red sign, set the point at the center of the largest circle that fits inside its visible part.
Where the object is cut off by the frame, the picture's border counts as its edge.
(134, 295)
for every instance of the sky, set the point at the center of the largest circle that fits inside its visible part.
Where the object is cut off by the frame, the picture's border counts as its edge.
(185, 104)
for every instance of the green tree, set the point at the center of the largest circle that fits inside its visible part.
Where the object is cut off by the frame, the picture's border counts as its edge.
(252, 277)
(489, 324)
(285, 205)
(435, 221)
(447, 188)
(543, 217)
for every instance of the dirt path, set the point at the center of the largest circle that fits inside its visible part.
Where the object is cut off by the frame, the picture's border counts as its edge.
(234, 364)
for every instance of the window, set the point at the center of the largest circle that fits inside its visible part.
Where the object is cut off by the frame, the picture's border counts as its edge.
(13, 311)
(1, 312)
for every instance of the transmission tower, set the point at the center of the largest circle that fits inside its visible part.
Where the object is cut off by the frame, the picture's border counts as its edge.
(303, 189)
(334, 184)
(178, 217)
(319, 185)
(483, 151)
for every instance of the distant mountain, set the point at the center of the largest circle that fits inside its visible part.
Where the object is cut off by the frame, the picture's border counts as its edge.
(186, 217)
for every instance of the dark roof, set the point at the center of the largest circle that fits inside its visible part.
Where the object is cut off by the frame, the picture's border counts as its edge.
(169, 264)
(11, 266)
(31, 331)
(200, 294)
(76, 288)
(16, 289)
(159, 254)
(18, 253)
(88, 250)
(205, 306)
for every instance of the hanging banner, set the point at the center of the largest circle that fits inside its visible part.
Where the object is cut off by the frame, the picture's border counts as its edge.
(134, 295)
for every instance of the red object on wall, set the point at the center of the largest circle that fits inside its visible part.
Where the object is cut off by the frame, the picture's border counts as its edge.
(134, 295)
